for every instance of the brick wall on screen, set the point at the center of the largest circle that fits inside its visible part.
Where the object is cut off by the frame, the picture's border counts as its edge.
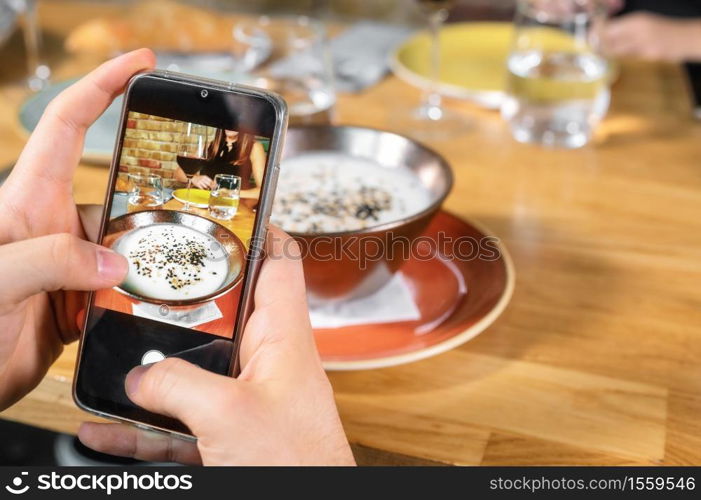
(150, 145)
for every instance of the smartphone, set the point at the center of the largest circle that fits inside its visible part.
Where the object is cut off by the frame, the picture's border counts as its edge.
(190, 192)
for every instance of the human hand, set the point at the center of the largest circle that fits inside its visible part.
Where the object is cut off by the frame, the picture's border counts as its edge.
(44, 258)
(280, 410)
(202, 182)
(653, 37)
(612, 6)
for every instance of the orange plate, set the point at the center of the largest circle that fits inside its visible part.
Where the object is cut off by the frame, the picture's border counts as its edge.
(457, 299)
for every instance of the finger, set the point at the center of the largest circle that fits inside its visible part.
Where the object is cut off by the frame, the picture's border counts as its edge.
(74, 302)
(283, 265)
(181, 390)
(622, 48)
(614, 31)
(91, 218)
(127, 441)
(279, 330)
(625, 26)
(56, 145)
(56, 262)
(619, 38)
(80, 316)
(69, 304)
(614, 5)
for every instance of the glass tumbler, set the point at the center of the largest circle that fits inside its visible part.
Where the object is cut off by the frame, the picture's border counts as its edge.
(289, 55)
(145, 192)
(558, 82)
(224, 198)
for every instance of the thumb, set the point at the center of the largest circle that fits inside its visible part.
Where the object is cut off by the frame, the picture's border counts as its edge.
(57, 262)
(278, 334)
(179, 389)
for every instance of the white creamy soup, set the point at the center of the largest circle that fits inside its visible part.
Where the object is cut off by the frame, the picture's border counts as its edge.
(172, 262)
(321, 192)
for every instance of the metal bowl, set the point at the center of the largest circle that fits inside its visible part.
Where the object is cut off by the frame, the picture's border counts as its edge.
(232, 245)
(345, 277)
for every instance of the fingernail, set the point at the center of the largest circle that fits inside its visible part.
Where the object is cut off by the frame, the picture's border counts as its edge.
(110, 265)
(131, 383)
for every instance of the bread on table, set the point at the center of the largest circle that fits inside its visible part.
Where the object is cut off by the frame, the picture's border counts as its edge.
(159, 24)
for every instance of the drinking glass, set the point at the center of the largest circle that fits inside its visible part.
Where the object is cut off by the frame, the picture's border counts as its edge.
(431, 120)
(558, 89)
(38, 72)
(224, 198)
(290, 56)
(145, 192)
(192, 154)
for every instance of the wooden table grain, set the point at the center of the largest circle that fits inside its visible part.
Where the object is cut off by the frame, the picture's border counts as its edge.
(597, 360)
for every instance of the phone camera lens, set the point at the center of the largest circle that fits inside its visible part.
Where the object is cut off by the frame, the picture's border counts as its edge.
(204, 93)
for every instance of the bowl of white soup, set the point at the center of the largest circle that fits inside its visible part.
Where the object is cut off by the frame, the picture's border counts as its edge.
(175, 258)
(356, 199)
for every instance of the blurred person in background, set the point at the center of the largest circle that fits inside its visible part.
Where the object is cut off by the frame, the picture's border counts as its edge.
(231, 152)
(654, 30)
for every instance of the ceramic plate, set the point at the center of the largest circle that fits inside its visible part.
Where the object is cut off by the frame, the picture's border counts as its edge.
(473, 60)
(457, 299)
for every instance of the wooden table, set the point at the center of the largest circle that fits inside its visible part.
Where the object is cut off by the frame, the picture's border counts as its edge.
(597, 360)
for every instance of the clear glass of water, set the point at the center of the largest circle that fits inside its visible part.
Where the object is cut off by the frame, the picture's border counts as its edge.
(145, 192)
(432, 120)
(38, 71)
(558, 82)
(224, 198)
(289, 55)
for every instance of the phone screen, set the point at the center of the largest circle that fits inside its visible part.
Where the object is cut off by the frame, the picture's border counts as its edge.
(185, 199)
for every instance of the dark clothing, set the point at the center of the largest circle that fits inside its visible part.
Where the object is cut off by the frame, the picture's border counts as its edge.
(236, 161)
(673, 8)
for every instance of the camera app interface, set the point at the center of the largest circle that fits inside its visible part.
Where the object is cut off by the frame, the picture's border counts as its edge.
(182, 214)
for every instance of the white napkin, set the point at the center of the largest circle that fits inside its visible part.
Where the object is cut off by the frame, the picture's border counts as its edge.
(393, 302)
(354, 70)
(187, 318)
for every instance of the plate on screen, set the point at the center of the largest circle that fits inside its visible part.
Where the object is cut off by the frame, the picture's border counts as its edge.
(198, 197)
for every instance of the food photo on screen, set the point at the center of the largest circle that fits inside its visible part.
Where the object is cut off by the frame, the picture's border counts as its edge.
(182, 214)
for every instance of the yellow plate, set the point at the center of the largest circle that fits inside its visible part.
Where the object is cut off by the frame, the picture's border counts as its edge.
(198, 197)
(473, 59)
